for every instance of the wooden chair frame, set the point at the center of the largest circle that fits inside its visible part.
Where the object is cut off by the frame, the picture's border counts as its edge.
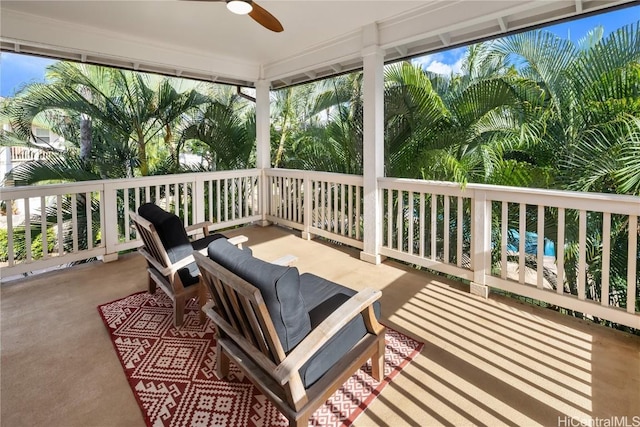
(164, 273)
(247, 336)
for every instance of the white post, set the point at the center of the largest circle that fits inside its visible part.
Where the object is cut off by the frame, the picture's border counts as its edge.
(481, 243)
(263, 144)
(110, 231)
(373, 144)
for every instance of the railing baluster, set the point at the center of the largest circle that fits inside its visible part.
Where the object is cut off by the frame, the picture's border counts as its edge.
(103, 231)
(400, 220)
(582, 254)
(560, 252)
(459, 229)
(422, 225)
(314, 208)
(632, 263)
(540, 254)
(606, 258)
(300, 200)
(43, 227)
(434, 225)
(335, 207)
(342, 208)
(60, 229)
(218, 201)
(27, 229)
(125, 195)
(234, 188)
(358, 207)
(389, 218)
(445, 228)
(350, 214)
(410, 218)
(504, 222)
(210, 197)
(74, 221)
(89, 222)
(522, 230)
(323, 219)
(226, 199)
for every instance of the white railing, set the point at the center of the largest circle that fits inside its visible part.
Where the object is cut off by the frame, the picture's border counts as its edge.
(488, 235)
(26, 154)
(72, 216)
(332, 210)
(224, 198)
(469, 233)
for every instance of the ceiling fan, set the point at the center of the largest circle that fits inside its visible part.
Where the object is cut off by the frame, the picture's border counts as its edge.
(255, 11)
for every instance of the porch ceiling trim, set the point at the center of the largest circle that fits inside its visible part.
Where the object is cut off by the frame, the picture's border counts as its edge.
(27, 33)
(426, 29)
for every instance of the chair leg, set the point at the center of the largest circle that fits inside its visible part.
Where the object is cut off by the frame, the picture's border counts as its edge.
(202, 300)
(377, 360)
(152, 285)
(179, 310)
(222, 363)
(300, 422)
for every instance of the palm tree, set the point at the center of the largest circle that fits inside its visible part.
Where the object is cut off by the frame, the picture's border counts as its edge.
(101, 111)
(591, 92)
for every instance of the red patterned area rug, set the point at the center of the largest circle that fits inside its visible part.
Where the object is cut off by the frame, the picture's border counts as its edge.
(172, 371)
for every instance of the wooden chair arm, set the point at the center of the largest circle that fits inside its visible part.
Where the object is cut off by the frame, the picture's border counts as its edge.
(238, 240)
(286, 260)
(324, 331)
(166, 271)
(190, 229)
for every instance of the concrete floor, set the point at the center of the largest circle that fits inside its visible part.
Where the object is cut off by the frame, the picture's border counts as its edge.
(485, 362)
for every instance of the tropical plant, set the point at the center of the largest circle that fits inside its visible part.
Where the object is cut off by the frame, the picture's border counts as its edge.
(109, 117)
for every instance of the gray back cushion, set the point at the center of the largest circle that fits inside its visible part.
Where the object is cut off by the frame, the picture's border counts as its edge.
(279, 286)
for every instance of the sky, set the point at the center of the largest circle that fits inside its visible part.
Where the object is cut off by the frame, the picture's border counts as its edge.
(17, 70)
(449, 61)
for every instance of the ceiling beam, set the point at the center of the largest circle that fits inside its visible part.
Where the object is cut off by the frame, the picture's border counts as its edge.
(504, 25)
(445, 38)
(402, 50)
(579, 7)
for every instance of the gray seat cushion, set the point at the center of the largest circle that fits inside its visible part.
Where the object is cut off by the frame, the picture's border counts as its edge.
(322, 297)
(175, 240)
(279, 286)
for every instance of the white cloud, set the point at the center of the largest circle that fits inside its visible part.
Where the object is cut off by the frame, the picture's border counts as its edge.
(444, 63)
(445, 69)
(439, 68)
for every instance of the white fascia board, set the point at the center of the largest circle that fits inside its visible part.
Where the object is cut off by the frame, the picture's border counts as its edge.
(454, 16)
(430, 22)
(60, 36)
(343, 49)
(420, 24)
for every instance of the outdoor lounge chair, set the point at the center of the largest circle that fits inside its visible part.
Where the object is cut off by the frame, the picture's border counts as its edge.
(297, 337)
(168, 252)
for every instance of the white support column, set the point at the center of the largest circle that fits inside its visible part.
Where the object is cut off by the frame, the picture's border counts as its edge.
(373, 144)
(263, 144)
(480, 244)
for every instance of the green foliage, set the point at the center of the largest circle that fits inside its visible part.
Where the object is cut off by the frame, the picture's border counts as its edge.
(19, 243)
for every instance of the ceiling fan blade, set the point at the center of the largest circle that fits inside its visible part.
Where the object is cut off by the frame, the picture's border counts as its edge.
(264, 18)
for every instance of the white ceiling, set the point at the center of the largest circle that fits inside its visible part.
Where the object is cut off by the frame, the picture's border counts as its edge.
(202, 39)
